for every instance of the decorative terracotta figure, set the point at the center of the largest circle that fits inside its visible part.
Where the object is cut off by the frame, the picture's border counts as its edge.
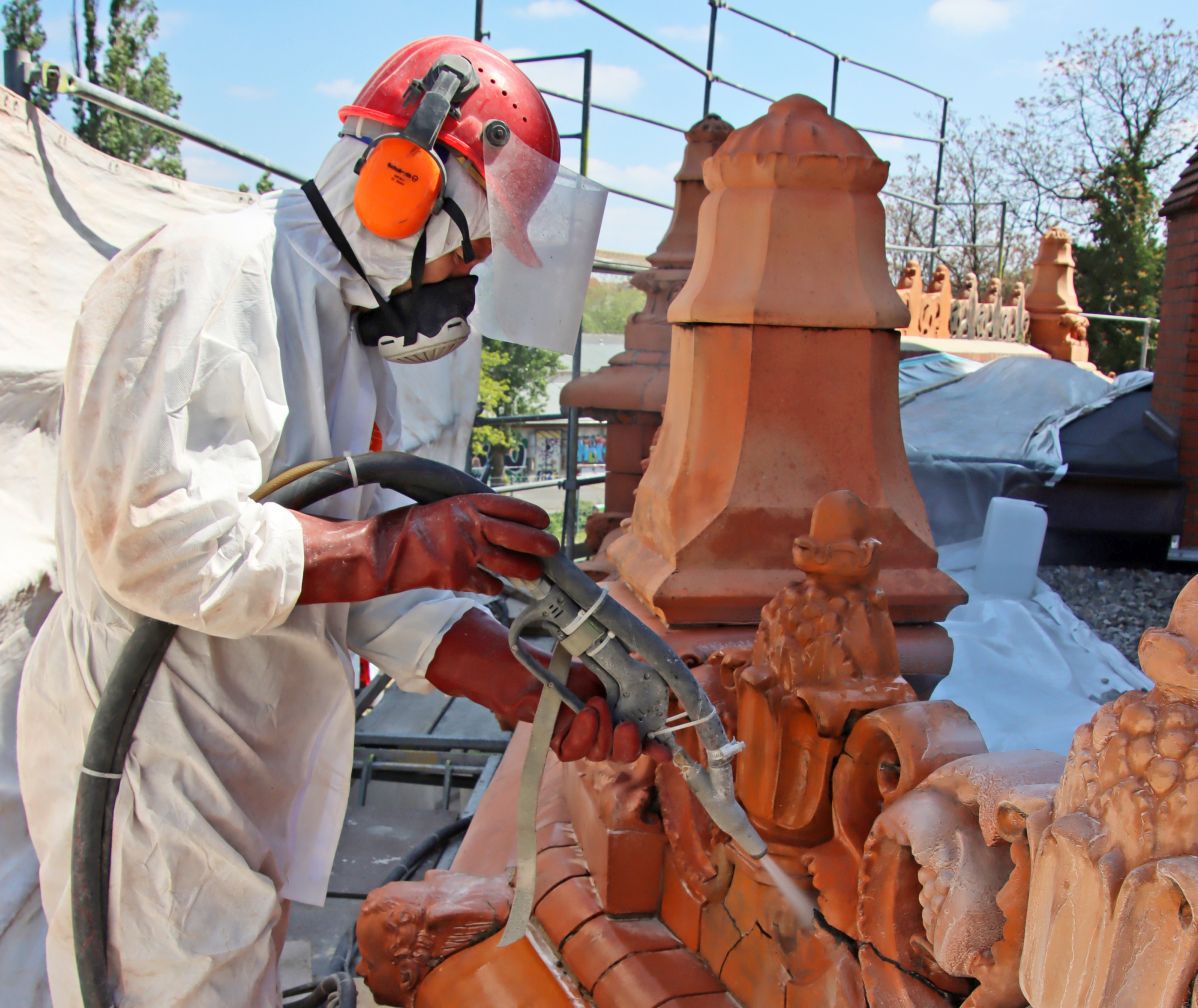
(825, 650)
(1115, 875)
(407, 928)
(910, 292)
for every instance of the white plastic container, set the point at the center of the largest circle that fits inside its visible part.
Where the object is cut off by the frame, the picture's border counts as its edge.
(1010, 552)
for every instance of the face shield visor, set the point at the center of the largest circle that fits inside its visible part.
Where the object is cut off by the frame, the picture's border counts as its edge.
(544, 222)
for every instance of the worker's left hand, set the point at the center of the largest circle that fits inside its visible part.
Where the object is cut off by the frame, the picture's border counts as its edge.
(473, 660)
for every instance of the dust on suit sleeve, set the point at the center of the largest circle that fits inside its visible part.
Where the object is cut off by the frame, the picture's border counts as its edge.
(172, 412)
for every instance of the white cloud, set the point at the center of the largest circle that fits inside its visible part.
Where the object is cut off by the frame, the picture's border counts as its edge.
(654, 181)
(609, 82)
(972, 16)
(247, 92)
(547, 10)
(341, 88)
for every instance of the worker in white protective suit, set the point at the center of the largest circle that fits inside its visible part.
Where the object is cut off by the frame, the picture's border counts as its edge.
(210, 356)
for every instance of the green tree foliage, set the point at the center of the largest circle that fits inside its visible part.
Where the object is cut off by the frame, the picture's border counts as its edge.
(132, 70)
(1119, 272)
(23, 30)
(608, 305)
(514, 380)
(264, 185)
(492, 392)
(1097, 148)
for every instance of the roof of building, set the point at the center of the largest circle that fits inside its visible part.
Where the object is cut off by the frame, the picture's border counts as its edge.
(1184, 194)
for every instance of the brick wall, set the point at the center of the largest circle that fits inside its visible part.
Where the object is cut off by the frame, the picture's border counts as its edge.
(1175, 389)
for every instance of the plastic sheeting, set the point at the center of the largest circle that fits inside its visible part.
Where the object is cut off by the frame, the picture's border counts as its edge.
(1028, 670)
(1011, 409)
(976, 431)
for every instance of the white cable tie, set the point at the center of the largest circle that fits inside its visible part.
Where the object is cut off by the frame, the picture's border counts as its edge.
(353, 469)
(671, 729)
(97, 773)
(601, 643)
(582, 617)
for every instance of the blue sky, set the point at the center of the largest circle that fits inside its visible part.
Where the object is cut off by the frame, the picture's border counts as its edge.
(270, 77)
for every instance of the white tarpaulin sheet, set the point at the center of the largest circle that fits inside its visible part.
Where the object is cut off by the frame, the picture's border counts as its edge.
(68, 209)
(1028, 670)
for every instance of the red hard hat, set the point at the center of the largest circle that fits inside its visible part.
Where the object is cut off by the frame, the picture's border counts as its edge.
(504, 93)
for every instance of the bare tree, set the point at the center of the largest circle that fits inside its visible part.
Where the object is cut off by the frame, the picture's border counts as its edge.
(1097, 149)
(1106, 99)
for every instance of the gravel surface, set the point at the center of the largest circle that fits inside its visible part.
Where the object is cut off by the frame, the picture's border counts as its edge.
(1119, 603)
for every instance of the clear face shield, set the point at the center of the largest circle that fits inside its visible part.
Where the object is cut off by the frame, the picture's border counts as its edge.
(544, 223)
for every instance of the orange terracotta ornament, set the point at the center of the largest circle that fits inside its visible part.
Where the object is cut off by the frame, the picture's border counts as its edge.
(825, 650)
(1110, 920)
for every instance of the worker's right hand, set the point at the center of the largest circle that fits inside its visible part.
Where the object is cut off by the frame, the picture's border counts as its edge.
(439, 545)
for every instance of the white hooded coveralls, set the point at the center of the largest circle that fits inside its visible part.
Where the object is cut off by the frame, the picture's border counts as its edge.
(210, 356)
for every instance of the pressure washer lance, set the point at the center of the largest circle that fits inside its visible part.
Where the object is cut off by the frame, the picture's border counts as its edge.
(591, 626)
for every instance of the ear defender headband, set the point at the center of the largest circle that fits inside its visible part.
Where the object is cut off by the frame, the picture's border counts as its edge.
(401, 178)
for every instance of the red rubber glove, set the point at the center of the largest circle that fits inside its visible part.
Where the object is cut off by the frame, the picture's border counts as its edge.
(438, 545)
(473, 660)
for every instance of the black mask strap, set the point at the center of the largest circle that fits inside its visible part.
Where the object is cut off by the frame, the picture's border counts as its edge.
(456, 215)
(341, 243)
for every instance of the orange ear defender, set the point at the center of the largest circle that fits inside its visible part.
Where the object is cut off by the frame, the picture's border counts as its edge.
(401, 178)
(399, 187)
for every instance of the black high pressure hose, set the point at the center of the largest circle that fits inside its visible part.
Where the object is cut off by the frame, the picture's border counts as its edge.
(125, 693)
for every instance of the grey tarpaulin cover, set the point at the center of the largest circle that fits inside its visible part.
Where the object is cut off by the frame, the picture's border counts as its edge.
(976, 431)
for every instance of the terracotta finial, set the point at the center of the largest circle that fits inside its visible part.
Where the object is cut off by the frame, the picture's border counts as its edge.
(1057, 326)
(793, 197)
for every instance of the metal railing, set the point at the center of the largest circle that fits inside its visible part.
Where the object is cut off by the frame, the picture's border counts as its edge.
(1145, 334)
(711, 78)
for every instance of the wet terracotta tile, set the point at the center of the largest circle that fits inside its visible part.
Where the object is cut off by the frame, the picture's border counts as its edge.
(485, 974)
(626, 863)
(647, 979)
(551, 806)
(887, 985)
(717, 936)
(556, 865)
(680, 911)
(568, 907)
(604, 941)
(558, 834)
(489, 845)
(755, 972)
(745, 894)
